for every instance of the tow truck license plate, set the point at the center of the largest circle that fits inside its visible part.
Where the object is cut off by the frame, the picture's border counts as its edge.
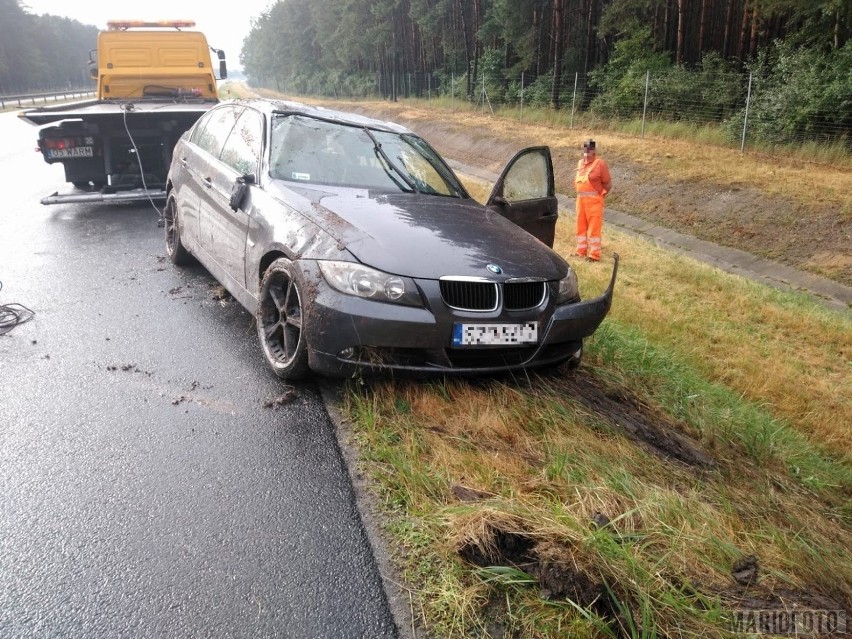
(74, 152)
(494, 334)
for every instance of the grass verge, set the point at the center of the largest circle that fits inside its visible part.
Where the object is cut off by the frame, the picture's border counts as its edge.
(497, 492)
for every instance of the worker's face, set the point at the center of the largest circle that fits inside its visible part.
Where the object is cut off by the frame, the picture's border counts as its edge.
(588, 154)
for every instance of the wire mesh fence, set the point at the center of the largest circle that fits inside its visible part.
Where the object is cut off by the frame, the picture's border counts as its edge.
(740, 108)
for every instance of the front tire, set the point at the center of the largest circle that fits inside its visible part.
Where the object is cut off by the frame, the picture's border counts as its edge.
(280, 321)
(174, 245)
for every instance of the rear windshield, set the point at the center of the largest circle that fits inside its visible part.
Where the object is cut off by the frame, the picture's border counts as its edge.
(308, 150)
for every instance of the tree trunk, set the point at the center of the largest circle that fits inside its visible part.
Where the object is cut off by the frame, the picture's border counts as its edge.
(755, 29)
(476, 46)
(837, 27)
(536, 41)
(590, 37)
(466, 37)
(655, 31)
(729, 28)
(680, 39)
(702, 29)
(557, 53)
(743, 32)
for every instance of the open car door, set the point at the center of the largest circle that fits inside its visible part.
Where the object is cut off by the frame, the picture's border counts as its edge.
(525, 193)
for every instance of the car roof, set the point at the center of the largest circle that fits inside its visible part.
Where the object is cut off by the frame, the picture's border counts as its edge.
(270, 106)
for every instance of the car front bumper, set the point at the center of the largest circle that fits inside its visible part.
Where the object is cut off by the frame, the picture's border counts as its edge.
(349, 335)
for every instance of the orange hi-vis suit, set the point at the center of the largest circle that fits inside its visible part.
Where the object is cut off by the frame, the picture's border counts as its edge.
(592, 183)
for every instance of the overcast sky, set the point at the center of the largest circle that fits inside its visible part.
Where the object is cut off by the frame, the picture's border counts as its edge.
(225, 25)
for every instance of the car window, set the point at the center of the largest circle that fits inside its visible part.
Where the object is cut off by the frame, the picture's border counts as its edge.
(198, 129)
(305, 149)
(242, 148)
(528, 178)
(419, 161)
(217, 129)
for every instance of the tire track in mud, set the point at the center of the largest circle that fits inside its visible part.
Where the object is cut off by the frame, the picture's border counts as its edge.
(644, 424)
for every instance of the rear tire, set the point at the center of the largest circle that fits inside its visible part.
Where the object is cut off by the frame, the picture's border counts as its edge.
(174, 245)
(281, 321)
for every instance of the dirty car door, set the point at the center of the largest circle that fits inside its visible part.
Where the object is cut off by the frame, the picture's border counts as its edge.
(525, 193)
(209, 184)
(228, 225)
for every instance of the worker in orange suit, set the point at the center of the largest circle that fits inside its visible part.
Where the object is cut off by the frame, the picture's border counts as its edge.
(592, 183)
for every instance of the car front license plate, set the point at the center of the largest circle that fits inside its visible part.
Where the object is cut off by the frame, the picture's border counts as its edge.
(75, 152)
(495, 334)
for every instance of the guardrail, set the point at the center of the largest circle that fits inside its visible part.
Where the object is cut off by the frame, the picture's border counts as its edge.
(32, 98)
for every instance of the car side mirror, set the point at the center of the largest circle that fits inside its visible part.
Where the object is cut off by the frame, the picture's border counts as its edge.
(239, 190)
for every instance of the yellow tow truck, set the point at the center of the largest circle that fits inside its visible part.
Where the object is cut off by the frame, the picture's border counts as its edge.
(154, 80)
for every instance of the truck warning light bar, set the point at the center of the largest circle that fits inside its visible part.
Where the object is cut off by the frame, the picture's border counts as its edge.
(117, 25)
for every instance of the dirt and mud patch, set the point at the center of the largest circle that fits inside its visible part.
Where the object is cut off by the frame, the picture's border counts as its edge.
(505, 552)
(287, 397)
(645, 424)
(552, 566)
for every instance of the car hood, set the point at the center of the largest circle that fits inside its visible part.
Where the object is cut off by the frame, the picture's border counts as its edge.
(427, 236)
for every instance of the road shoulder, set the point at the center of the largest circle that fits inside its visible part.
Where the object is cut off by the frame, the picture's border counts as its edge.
(400, 599)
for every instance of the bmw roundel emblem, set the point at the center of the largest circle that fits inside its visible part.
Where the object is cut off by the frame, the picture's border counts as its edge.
(494, 269)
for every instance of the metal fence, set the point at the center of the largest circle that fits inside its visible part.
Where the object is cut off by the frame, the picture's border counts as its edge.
(31, 99)
(734, 105)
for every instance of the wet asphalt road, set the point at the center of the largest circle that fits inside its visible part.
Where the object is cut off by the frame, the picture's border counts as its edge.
(146, 490)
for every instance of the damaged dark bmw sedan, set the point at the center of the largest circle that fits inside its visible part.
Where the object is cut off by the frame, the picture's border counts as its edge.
(358, 250)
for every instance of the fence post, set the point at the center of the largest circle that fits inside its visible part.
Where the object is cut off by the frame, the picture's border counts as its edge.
(430, 90)
(745, 120)
(574, 98)
(483, 93)
(645, 105)
(522, 96)
(453, 92)
(408, 92)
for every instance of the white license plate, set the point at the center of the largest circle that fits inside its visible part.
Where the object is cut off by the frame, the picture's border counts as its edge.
(495, 334)
(75, 152)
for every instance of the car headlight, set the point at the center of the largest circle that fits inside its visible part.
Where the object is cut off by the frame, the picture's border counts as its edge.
(568, 288)
(362, 281)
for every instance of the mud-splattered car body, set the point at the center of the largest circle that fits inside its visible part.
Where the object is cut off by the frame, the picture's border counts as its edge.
(358, 250)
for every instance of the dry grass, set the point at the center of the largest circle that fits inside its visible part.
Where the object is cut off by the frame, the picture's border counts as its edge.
(545, 466)
(234, 91)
